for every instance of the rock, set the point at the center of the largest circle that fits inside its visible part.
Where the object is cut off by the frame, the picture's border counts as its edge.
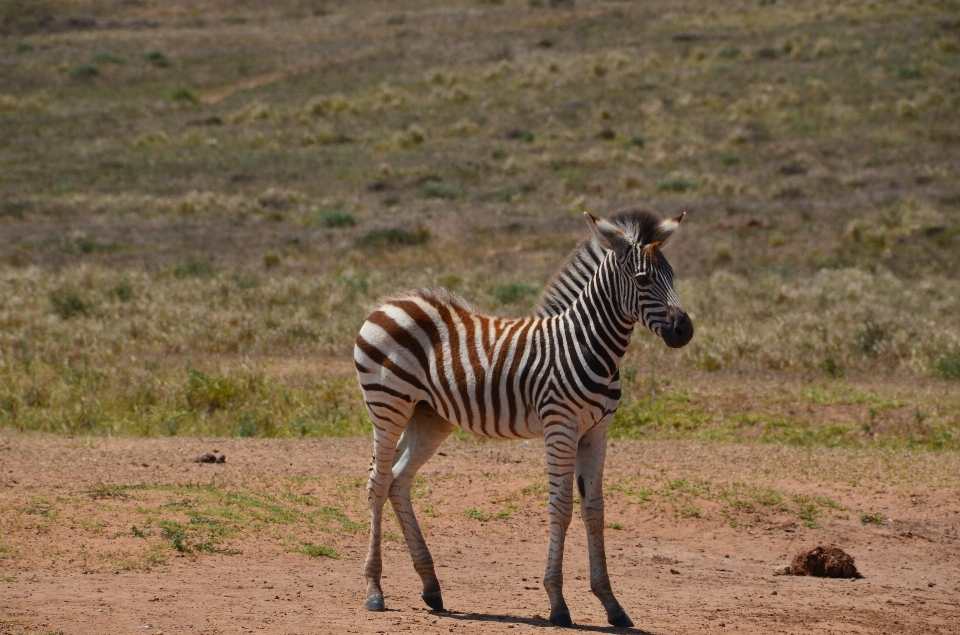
(222, 458)
(206, 458)
(674, 572)
(783, 569)
(824, 562)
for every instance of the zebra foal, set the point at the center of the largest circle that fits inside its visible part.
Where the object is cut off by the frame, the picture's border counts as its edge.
(427, 362)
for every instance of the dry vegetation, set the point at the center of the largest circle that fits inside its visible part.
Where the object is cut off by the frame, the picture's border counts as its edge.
(199, 203)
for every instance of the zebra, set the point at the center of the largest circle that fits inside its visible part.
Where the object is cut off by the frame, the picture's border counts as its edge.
(427, 362)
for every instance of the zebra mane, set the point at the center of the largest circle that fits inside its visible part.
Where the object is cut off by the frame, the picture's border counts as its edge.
(441, 295)
(640, 224)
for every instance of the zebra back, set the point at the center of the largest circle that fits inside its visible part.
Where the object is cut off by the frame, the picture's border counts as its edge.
(639, 223)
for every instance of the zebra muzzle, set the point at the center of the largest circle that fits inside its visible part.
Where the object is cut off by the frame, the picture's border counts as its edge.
(678, 331)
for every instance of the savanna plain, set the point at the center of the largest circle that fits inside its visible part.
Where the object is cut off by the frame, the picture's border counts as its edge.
(201, 201)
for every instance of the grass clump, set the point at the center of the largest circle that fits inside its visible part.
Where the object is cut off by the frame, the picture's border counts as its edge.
(678, 184)
(392, 237)
(83, 71)
(949, 367)
(316, 551)
(194, 268)
(67, 304)
(871, 518)
(482, 516)
(157, 58)
(107, 57)
(184, 93)
(335, 216)
(439, 189)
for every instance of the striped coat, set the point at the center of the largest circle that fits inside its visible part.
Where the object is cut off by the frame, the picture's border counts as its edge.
(427, 361)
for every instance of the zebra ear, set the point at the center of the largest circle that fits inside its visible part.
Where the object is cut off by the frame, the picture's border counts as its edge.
(667, 228)
(609, 235)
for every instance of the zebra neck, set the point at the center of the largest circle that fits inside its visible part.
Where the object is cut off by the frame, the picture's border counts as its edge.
(598, 320)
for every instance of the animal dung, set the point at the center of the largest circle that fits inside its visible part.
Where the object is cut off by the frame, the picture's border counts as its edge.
(824, 562)
(211, 458)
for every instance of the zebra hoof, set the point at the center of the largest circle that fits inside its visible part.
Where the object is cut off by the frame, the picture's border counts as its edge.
(620, 620)
(375, 602)
(433, 599)
(561, 618)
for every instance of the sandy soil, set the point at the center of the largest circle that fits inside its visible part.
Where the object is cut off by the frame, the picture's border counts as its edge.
(490, 571)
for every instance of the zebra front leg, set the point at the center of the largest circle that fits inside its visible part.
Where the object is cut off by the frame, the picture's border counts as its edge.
(591, 452)
(423, 435)
(561, 445)
(385, 437)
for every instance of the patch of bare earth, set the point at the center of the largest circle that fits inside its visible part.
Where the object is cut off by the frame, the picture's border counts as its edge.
(71, 561)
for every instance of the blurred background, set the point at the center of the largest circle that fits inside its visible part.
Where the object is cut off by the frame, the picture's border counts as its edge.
(201, 201)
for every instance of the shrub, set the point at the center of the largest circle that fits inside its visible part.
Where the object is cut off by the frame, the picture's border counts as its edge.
(157, 58)
(392, 237)
(123, 292)
(335, 215)
(194, 268)
(68, 304)
(638, 141)
(949, 367)
(25, 16)
(271, 260)
(438, 189)
(106, 57)
(867, 341)
(13, 209)
(82, 71)
(512, 292)
(677, 185)
(832, 369)
(184, 93)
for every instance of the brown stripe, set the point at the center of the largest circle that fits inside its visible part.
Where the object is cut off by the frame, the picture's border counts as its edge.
(377, 356)
(436, 341)
(472, 338)
(521, 347)
(459, 374)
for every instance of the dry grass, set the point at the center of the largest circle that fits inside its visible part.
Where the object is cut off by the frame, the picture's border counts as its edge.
(180, 214)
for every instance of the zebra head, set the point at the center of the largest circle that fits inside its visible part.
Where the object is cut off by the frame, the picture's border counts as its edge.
(647, 280)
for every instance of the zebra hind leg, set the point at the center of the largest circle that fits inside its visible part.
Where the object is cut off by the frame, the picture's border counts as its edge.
(386, 432)
(420, 440)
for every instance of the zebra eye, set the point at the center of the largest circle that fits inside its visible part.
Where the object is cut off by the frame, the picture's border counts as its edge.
(642, 279)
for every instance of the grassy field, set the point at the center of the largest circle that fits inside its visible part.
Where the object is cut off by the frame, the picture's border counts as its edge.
(199, 203)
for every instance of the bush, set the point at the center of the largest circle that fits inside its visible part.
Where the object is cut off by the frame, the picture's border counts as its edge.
(68, 304)
(867, 341)
(438, 189)
(677, 185)
(391, 237)
(157, 58)
(106, 57)
(335, 215)
(949, 367)
(82, 71)
(123, 292)
(184, 93)
(194, 268)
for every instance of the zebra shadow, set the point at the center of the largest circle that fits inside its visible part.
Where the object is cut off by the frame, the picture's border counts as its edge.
(536, 620)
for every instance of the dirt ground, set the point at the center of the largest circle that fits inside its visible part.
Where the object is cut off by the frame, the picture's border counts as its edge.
(482, 504)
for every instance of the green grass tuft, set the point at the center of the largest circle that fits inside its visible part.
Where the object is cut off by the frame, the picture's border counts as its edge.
(83, 71)
(439, 189)
(677, 185)
(67, 304)
(392, 237)
(316, 551)
(949, 367)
